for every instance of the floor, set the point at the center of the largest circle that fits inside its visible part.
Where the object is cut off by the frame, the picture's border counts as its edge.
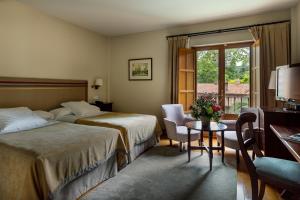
(243, 181)
(163, 173)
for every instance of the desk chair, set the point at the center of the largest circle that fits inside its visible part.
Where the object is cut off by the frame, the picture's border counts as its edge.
(284, 174)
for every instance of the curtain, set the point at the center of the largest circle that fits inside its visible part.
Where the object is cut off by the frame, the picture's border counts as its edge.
(274, 43)
(174, 43)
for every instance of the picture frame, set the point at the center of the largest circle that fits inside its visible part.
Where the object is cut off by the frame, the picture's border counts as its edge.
(140, 69)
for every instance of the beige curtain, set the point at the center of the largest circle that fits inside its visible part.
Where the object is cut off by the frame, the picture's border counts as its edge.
(174, 43)
(274, 43)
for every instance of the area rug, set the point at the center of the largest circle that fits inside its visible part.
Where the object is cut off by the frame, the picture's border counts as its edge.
(163, 173)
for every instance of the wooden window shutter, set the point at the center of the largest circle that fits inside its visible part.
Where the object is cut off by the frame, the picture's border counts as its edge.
(187, 77)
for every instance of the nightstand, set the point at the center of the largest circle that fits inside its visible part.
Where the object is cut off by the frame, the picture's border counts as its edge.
(104, 106)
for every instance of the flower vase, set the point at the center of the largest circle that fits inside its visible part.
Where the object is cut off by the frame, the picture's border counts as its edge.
(205, 122)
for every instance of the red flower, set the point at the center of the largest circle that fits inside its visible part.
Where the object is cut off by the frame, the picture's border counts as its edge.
(216, 108)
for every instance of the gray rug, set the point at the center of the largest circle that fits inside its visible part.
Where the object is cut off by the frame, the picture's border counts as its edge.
(162, 173)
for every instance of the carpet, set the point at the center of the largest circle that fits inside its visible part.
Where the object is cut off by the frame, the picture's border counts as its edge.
(163, 173)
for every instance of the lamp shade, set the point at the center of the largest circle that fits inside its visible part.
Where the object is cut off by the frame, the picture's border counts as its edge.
(99, 82)
(272, 83)
(293, 83)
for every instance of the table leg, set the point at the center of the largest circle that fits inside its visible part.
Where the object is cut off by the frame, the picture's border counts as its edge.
(189, 144)
(201, 140)
(223, 146)
(210, 149)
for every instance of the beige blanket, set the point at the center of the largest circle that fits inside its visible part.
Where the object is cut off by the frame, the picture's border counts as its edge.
(135, 128)
(36, 163)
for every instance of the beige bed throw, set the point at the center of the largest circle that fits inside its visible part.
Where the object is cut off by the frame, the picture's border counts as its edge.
(37, 163)
(135, 128)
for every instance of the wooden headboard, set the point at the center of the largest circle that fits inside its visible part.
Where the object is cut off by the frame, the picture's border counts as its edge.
(40, 94)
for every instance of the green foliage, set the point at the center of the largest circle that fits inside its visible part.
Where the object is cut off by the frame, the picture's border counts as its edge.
(236, 61)
(245, 78)
(207, 66)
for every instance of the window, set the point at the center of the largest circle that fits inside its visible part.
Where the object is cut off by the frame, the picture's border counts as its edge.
(224, 71)
(208, 72)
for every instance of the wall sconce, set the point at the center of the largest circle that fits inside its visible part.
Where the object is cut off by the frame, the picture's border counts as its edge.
(98, 83)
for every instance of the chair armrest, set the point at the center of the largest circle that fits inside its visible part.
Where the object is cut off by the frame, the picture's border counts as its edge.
(230, 124)
(171, 128)
(188, 119)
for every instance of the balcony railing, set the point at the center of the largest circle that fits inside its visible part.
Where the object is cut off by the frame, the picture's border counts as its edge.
(234, 102)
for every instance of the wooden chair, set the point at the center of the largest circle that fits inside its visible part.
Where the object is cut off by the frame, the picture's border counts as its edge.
(284, 174)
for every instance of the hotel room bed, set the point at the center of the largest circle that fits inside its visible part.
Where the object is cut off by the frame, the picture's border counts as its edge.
(58, 161)
(64, 160)
(139, 131)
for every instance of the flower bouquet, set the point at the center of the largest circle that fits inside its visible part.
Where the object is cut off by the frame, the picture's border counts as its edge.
(205, 108)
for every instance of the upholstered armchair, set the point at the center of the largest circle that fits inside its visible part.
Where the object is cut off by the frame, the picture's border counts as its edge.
(175, 120)
(230, 138)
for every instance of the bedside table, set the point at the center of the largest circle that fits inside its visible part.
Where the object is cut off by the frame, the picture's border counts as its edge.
(104, 106)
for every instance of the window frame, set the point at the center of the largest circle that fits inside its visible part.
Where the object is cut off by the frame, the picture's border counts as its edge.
(221, 49)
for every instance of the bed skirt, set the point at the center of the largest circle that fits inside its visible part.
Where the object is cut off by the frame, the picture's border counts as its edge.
(86, 182)
(139, 149)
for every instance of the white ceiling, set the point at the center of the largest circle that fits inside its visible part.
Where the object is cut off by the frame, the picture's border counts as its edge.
(119, 17)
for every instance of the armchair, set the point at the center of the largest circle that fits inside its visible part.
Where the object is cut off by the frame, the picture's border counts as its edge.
(175, 120)
(230, 138)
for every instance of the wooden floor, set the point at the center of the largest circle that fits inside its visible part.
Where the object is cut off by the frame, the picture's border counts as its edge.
(243, 181)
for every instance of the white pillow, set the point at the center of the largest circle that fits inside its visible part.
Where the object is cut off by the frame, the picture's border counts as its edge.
(82, 108)
(19, 119)
(18, 111)
(44, 114)
(60, 112)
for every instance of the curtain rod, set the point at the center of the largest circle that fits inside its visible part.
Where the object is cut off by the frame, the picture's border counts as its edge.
(226, 30)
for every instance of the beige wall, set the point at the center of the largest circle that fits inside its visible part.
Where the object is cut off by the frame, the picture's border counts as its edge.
(139, 96)
(33, 44)
(295, 18)
(147, 96)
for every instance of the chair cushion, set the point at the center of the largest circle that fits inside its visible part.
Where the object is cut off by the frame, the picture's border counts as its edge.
(182, 134)
(283, 171)
(230, 139)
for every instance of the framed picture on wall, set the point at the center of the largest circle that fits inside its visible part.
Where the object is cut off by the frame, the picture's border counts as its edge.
(140, 69)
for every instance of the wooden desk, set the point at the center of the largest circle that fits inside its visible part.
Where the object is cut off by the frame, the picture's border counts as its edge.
(283, 131)
(273, 146)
